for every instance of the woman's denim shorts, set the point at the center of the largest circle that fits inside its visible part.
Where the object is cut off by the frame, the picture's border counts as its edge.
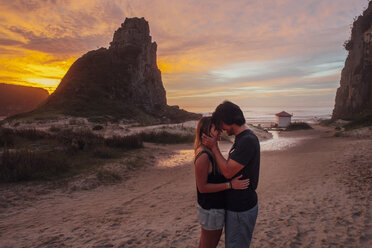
(212, 219)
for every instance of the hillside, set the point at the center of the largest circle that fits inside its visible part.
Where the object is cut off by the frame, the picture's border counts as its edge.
(15, 99)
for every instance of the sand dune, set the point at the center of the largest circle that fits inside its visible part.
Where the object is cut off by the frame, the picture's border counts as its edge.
(314, 194)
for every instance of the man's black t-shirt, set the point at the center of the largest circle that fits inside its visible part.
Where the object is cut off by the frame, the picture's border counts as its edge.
(246, 151)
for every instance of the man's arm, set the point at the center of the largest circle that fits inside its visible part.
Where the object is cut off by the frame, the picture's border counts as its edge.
(201, 176)
(228, 168)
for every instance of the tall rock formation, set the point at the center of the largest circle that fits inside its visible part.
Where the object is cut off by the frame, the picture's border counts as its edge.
(122, 81)
(355, 92)
(146, 88)
(15, 99)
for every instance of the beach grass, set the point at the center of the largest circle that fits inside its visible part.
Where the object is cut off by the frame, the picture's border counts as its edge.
(54, 129)
(24, 165)
(298, 126)
(326, 122)
(107, 176)
(126, 142)
(29, 154)
(96, 112)
(363, 119)
(6, 137)
(97, 127)
(165, 137)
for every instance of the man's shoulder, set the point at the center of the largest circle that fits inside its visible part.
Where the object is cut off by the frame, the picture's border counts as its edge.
(248, 140)
(248, 136)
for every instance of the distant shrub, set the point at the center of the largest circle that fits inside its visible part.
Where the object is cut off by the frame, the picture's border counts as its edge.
(76, 122)
(107, 176)
(26, 165)
(164, 137)
(79, 140)
(72, 122)
(54, 129)
(298, 126)
(135, 163)
(97, 127)
(326, 122)
(103, 152)
(338, 128)
(338, 134)
(126, 142)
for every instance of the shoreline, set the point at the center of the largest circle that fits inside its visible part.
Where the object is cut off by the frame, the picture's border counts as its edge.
(305, 194)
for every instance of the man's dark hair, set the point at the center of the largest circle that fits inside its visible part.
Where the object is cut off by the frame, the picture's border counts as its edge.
(228, 113)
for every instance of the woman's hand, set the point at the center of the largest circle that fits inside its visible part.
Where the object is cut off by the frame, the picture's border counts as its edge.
(209, 142)
(239, 184)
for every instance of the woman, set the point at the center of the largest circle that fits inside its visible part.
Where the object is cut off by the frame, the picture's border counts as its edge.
(210, 186)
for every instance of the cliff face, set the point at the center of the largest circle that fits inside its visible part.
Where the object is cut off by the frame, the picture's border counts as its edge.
(146, 87)
(122, 81)
(15, 99)
(355, 92)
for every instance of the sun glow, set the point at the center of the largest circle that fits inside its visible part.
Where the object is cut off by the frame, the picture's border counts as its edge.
(176, 65)
(32, 68)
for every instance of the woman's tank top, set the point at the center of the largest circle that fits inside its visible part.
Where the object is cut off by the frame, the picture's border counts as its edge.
(212, 200)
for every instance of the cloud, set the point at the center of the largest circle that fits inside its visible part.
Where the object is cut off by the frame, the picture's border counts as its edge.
(65, 45)
(25, 6)
(9, 42)
(206, 48)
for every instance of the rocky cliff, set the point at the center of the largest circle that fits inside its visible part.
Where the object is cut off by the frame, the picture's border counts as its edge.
(355, 92)
(15, 99)
(122, 81)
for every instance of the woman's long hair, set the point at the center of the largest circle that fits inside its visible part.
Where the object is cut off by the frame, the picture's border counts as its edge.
(203, 127)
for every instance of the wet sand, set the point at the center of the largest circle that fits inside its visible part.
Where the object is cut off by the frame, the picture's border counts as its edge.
(314, 194)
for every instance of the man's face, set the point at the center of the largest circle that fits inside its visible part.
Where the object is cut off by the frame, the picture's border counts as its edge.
(228, 128)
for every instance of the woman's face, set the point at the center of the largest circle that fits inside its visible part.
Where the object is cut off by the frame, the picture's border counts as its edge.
(215, 133)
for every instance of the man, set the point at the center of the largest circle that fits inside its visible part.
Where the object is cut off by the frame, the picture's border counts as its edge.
(243, 159)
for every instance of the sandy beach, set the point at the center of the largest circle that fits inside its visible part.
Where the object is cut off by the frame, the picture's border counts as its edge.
(316, 193)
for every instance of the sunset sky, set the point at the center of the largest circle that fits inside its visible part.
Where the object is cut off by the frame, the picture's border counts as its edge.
(255, 53)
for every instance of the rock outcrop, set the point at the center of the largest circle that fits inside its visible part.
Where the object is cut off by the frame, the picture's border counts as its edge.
(15, 99)
(122, 81)
(355, 92)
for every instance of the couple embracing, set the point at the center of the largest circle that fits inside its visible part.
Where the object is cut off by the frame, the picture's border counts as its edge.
(226, 188)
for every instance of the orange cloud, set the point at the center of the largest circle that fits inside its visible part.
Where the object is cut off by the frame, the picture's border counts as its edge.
(197, 41)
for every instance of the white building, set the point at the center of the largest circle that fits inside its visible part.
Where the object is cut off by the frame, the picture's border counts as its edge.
(283, 119)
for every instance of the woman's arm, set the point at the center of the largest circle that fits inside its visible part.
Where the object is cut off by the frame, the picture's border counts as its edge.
(201, 175)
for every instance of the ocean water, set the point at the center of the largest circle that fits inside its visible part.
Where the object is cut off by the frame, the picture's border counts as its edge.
(267, 114)
(281, 143)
